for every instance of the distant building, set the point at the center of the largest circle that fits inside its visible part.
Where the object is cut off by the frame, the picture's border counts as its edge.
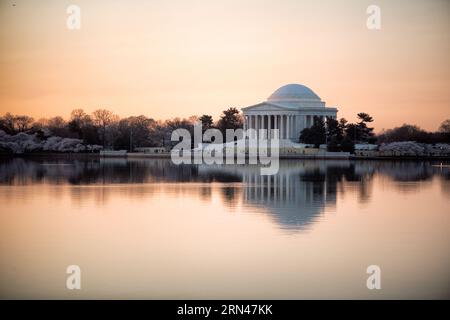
(152, 150)
(290, 109)
(113, 153)
(366, 146)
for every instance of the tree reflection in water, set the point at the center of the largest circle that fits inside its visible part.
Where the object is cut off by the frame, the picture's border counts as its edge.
(295, 197)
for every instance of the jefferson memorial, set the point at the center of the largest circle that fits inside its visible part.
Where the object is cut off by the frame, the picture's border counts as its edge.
(290, 109)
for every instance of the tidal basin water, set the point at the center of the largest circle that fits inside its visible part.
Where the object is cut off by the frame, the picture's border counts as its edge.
(151, 229)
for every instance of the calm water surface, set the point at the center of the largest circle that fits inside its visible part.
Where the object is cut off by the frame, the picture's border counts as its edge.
(150, 229)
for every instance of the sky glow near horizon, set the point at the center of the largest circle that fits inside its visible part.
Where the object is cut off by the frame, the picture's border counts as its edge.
(169, 59)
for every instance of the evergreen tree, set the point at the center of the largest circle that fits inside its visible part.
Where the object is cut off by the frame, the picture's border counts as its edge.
(316, 134)
(365, 133)
(207, 122)
(335, 134)
(230, 119)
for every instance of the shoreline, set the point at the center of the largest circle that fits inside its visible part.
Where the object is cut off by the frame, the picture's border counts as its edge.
(135, 155)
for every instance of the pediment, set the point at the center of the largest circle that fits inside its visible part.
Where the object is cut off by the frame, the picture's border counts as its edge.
(265, 106)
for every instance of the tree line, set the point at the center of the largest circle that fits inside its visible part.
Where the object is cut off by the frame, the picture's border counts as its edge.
(339, 135)
(103, 127)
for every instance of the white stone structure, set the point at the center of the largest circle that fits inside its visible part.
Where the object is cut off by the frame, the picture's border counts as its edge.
(290, 109)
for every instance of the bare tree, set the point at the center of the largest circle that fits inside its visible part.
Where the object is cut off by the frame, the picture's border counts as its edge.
(103, 119)
(445, 127)
(7, 123)
(23, 123)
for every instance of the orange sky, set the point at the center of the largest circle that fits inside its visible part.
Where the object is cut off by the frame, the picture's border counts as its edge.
(178, 58)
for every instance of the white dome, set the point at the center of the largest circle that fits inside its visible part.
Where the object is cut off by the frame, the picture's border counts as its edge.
(293, 92)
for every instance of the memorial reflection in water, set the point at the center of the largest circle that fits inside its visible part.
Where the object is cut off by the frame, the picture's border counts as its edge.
(295, 197)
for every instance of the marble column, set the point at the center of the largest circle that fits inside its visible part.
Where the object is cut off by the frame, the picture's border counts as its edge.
(275, 122)
(294, 126)
(279, 119)
(264, 127)
(282, 126)
(261, 126)
(288, 127)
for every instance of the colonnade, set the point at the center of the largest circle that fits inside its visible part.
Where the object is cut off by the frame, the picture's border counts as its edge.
(289, 126)
(286, 124)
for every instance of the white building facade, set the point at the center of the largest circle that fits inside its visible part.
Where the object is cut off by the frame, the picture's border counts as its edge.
(290, 109)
